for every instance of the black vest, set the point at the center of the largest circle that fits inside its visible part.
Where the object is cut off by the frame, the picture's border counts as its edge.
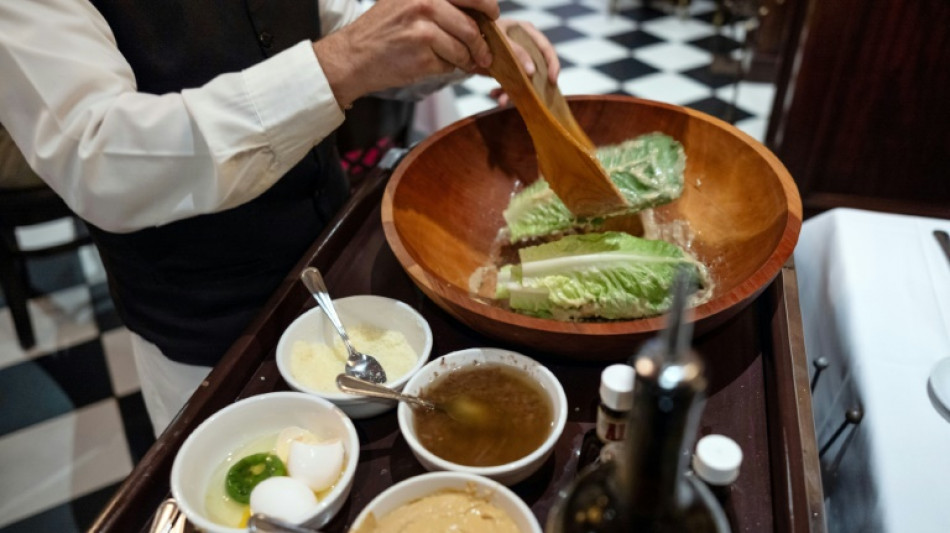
(192, 286)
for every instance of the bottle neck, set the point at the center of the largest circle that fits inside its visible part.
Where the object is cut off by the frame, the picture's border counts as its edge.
(663, 422)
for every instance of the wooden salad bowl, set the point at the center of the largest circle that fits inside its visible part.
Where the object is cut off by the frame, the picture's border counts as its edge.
(442, 212)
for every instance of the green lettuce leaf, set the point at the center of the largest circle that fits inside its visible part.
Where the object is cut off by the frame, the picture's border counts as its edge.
(609, 275)
(648, 170)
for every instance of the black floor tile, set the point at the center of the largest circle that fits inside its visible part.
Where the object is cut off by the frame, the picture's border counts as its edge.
(29, 395)
(642, 14)
(720, 18)
(508, 6)
(626, 69)
(716, 44)
(80, 372)
(710, 78)
(635, 39)
(562, 34)
(138, 426)
(720, 109)
(75, 516)
(571, 10)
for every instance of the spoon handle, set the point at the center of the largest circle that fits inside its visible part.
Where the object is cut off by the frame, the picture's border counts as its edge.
(260, 523)
(314, 282)
(358, 386)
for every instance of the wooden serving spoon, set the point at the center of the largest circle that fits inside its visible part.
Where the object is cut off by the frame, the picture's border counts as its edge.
(565, 154)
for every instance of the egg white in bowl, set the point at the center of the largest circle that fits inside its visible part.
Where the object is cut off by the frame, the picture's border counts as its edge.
(244, 427)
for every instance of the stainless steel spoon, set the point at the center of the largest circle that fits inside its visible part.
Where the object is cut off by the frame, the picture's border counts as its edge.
(353, 385)
(358, 364)
(460, 408)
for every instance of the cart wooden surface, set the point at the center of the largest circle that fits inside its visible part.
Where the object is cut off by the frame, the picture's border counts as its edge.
(758, 395)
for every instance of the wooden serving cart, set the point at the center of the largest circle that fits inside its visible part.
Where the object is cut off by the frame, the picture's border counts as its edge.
(758, 394)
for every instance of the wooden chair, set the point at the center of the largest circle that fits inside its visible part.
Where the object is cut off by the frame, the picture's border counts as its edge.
(23, 207)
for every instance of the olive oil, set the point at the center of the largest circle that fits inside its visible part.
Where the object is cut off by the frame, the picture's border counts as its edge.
(646, 487)
(519, 416)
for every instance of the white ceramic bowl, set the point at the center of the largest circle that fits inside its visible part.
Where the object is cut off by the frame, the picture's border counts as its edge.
(376, 311)
(508, 473)
(423, 485)
(243, 422)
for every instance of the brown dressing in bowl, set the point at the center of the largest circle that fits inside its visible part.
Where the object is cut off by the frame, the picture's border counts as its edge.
(520, 416)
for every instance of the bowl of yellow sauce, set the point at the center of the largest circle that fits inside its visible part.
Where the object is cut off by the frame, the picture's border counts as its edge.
(310, 353)
(437, 502)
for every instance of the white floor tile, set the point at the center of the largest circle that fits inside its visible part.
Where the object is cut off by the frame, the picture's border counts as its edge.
(678, 29)
(474, 103)
(604, 5)
(737, 32)
(56, 461)
(480, 84)
(541, 19)
(117, 345)
(60, 320)
(673, 57)
(10, 351)
(755, 127)
(753, 97)
(91, 263)
(46, 234)
(667, 87)
(601, 24)
(579, 80)
(697, 7)
(591, 51)
(64, 318)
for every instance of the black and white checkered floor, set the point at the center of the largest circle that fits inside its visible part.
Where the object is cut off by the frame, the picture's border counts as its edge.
(648, 52)
(72, 421)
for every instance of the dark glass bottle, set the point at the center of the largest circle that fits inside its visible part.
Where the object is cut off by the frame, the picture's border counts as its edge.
(647, 487)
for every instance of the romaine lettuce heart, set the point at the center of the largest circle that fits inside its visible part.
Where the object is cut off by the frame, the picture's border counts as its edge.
(609, 275)
(648, 170)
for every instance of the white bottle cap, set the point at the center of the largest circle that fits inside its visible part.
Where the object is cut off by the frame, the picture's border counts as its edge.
(717, 459)
(616, 387)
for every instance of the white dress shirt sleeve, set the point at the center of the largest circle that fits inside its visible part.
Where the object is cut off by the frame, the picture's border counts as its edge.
(126, 160)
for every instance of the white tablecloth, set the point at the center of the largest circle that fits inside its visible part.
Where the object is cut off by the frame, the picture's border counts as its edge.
(875, 299)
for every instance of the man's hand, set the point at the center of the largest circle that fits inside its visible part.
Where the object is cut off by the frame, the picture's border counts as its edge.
(543, 45)
(399, 42)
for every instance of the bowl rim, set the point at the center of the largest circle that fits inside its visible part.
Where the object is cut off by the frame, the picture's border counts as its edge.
(404, 414)
(198, 518)
(282, 351)
(448, 295)
(466, 477)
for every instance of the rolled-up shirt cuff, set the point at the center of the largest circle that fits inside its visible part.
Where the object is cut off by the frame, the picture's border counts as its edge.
(293, 100)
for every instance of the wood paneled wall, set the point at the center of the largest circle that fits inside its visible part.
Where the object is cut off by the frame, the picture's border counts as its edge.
(862, 112)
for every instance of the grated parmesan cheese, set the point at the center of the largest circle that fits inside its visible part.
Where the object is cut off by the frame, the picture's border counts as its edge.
(316, 365)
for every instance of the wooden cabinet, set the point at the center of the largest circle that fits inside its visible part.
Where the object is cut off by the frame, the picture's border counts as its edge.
(862, 108)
